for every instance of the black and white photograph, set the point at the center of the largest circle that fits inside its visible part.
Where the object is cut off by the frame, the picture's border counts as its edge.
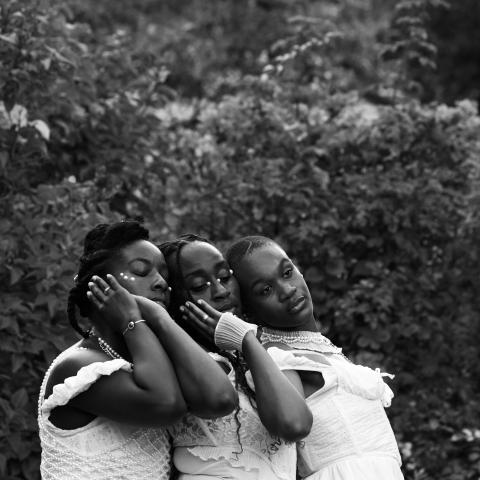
(239, 240)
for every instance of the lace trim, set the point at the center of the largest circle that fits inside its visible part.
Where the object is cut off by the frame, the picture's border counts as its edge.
(85, 377)
(246, 460)
(314, 341)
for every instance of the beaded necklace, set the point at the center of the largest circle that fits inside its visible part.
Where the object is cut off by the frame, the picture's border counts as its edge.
(303, 340)
(106, 347)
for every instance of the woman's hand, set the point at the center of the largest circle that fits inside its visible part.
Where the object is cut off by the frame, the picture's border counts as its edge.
(116, 304)
(151, 310)
(202, 317)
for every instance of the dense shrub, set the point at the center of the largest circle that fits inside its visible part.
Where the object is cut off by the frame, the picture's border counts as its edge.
(376, 199)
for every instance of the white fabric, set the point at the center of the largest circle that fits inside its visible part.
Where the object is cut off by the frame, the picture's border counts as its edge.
(103, 449)
(351, 437)
(231, 330)
(209, 448)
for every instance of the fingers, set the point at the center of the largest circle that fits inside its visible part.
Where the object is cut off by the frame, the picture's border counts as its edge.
(95, 300)
(197, 319)
(200, 314)
(100, 289)
(113, 282)
(212, 312)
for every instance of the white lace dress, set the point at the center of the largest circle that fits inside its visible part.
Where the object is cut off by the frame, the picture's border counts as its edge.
(209, 449)
(351, 437)
(103, 449)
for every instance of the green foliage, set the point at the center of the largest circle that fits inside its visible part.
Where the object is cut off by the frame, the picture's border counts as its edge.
(376, 201)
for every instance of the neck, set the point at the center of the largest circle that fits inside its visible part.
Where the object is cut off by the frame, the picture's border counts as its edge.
(112, 338)
(310, 326)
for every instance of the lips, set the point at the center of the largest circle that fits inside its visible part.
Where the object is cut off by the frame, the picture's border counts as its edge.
(296, 305)
(227, 308)
(160, 301)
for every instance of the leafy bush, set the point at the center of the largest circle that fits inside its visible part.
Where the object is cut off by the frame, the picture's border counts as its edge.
(375, 199)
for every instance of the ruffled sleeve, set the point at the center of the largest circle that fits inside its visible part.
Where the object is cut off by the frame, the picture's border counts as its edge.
(85, 377)
(286, 360)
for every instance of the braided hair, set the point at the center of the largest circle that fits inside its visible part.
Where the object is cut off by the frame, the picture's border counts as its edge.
(243, 247)
(101, 246)
(180, 293)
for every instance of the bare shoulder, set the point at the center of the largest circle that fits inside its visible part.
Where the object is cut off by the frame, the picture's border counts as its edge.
(282, 346)
(71, 364)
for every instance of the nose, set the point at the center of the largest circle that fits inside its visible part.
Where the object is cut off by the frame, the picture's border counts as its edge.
(159, 283)
(219, 290)
(286, 291)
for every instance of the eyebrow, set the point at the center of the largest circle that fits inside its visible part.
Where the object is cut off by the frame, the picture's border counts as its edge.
(263, 280)
(201, 271)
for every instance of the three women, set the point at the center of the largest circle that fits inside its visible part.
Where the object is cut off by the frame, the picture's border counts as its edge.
(256, 440)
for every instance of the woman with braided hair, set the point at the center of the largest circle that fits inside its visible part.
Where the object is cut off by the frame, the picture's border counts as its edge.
(256, 442)
(105, 402)
(351, 436)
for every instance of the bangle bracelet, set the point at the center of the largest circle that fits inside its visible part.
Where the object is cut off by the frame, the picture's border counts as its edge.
(131, 325)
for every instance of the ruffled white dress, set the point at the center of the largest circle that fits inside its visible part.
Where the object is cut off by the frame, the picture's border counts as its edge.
(103, 449)
(207, 449)
(351, 437)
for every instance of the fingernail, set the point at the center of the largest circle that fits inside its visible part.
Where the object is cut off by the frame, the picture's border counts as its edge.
(200, 302)
(109, 276)
(182, 309)
(90, 284)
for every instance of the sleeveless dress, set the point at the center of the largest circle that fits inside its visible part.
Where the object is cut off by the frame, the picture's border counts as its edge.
(102, 449)
(351, 437)
(206, 449)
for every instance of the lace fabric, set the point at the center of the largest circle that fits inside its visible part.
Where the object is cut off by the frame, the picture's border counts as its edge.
(103, 449)
(215, 439)
(350, 428)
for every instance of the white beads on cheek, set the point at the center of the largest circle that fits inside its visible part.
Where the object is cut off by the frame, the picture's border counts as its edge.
(124, 276)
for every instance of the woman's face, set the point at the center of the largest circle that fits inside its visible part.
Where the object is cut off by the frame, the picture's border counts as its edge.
(142, 270)
(207, 276)
(274, 291)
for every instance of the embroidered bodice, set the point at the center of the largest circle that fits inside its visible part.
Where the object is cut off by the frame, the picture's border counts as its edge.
(215, 439)
(349, 420)
(103, 449)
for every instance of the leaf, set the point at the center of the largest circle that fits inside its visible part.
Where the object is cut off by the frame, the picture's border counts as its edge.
(19, 398)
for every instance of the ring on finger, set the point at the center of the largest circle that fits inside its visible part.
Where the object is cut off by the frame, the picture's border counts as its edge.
(205, 318)
(105, 292)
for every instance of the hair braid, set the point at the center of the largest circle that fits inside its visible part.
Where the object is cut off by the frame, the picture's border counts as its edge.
(101, 245)
(72, 316)
(179, 295)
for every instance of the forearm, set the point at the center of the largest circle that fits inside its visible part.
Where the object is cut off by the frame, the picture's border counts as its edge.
(281, 407)
(153, 371)
(205, 386)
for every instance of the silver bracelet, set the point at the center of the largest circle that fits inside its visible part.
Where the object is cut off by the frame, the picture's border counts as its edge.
(131, 325)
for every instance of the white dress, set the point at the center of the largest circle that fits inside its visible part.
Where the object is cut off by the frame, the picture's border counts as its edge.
(102, 449)
(351, 437)
(208, 449)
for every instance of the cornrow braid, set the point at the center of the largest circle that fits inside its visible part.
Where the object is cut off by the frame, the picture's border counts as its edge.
(244, 246)
(102, 244)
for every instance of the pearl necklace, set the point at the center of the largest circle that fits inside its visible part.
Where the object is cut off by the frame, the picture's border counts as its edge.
(302, 340)
(108, 349)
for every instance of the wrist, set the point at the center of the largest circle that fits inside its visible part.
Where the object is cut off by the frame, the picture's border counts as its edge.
(230, 332)
(131, 325)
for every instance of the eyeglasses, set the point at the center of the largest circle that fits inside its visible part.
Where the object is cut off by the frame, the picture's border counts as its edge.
(222, 280)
